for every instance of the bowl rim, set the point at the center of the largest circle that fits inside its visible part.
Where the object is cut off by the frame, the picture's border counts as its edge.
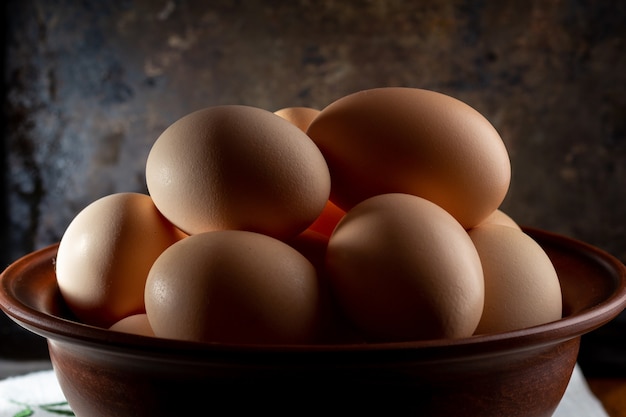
(59, 329)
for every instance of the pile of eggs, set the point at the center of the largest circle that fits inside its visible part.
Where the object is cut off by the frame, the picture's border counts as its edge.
(375, 219)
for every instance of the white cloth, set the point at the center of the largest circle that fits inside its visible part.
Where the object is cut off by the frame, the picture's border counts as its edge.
(35, 394)
(38, 394)
(578, 399)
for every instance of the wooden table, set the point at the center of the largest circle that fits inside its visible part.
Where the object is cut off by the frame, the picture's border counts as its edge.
(612, 393)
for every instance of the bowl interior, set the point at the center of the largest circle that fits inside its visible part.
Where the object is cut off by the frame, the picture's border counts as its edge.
(593, 285)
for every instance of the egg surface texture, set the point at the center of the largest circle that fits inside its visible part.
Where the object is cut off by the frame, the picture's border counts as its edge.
(302, 118)
(237, 167)
(105, 254)
(233, 287)
(522, 288)
(413, 141)
(404, 269)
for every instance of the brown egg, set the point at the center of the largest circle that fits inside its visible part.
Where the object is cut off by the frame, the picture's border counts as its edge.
(237, 167)
(135, 324)
(299, 116)
(330, 216)
(328, 219)
(413, 141)
(312, 245)
(105, 254)
(233, 287)
(334, 327)
(402, 268)
(500, 217)
(521, 285)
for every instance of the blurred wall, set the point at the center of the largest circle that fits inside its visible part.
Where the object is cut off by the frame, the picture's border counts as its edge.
(91, 84)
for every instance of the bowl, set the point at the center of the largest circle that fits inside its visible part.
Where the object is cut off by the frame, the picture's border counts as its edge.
(517, 373)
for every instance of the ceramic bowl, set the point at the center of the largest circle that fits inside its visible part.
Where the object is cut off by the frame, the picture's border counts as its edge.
(518, 373)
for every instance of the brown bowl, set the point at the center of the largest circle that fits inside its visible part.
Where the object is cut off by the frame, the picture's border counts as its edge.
(517, 373)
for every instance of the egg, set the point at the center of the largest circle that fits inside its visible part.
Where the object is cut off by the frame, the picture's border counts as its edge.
(234, 167)
(135, 324)
(299, 116)
(334, 327)
(402, 268)
(312, 245)
(331, 214)
(500, 217)
(413, 141)
(105, 254)
(328, 219)
(233, 286)
(521, 285)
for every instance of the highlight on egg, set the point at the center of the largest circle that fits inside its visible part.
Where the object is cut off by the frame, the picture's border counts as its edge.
(413, 141)
(402, 268)
(522, 288)
(105, 254)
(234, 286)
(237, 167)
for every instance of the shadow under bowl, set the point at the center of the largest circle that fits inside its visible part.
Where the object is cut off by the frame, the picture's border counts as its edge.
(518, 373)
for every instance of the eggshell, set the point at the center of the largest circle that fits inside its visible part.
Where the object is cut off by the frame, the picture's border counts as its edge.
(402, 268)
(328, 219)
(299, 116)
(135, 324)
(233, 287)
(501, 218)
(521, 285)
(312, 245)
(238, 168)
(105, 254)
(302, 118)
(334, 326)
(413, 141)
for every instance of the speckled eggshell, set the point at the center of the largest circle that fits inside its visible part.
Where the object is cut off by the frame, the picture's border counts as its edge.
(521, 285)
(413, 141)
(105, 254)
(233, 286)
(402, 268)
(235, 167)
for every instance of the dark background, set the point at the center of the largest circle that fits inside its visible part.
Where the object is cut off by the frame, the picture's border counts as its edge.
(89, 85)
